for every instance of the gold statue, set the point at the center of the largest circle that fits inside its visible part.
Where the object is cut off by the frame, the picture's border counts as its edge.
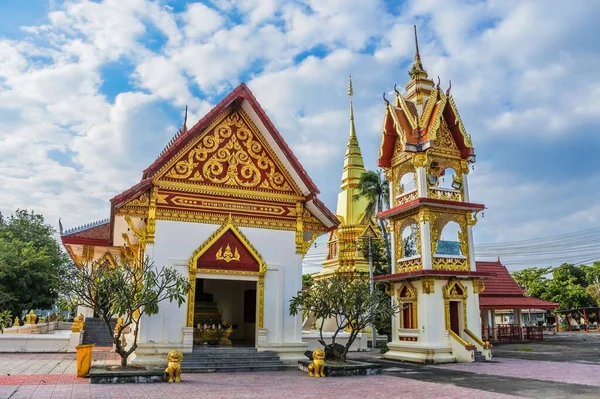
(30, 317)
(17, 322)
(118, 325)
(78, 323)
(173, 370)
(317, 367)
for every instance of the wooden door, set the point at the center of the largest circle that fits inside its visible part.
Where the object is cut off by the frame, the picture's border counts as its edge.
(454, 324)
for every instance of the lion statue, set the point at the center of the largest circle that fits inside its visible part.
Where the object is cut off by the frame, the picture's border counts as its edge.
(317, 367)
(173, 370)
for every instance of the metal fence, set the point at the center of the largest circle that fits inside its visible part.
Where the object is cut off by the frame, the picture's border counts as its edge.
(512, 332)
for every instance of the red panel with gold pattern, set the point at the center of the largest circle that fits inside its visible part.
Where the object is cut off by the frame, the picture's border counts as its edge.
(181, 201)
(228, 253)
(231, 152)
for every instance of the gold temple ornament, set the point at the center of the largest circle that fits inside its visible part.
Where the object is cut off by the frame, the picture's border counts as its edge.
(228, 255)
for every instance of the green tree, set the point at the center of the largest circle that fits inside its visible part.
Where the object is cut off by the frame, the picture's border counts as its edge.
(127, 289)
(307, 280)
(31, 262)
(376, 189)
(5, 320)
(533, 280)
(347, 300)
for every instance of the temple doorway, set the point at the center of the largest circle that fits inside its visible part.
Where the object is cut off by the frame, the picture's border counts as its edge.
(454, 317)
(225, 312)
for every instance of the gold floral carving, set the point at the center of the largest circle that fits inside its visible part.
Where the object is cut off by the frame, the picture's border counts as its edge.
(151, 220)
(420, 160)
(444, 137)
(143, 200)
(428, 285)
(228, 255)
(459, 122)
(443, 263)
(478, 286)
(242, 162)
(406, 198)
(261, 300)
(409, 265)
(445, 194)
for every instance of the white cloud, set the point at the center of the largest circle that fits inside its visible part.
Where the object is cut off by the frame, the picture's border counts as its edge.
(519, 69)
(201, 20)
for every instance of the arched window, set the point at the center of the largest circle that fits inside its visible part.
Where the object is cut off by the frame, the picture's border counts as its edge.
(449, 240)
(407, 183)
(449, 180)
(409, 241)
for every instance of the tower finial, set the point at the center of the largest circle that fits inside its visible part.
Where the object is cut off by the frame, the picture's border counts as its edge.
(184, 125)
(417, 55)
(350, 91)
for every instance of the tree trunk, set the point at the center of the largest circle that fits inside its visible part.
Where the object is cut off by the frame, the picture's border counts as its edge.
(123, 361)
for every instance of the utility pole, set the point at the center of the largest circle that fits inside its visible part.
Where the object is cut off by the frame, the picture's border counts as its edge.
(373, 330)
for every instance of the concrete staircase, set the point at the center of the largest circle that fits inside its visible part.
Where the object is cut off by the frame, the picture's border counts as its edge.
(215, 359)
(95, 332)
(479, 357)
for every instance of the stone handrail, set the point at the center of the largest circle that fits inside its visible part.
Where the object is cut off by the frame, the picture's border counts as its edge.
(467, 345)
(478, 341)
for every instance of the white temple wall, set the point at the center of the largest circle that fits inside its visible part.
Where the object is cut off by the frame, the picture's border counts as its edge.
(175, 242)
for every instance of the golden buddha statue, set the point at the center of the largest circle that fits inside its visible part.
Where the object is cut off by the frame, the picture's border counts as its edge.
(30, 317)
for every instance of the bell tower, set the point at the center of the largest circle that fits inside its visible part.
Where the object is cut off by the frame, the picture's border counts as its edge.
(426, 154)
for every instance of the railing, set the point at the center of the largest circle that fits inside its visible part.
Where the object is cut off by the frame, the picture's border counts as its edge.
(512, 332)
(468, 346)
(484, 345)
(406, 197)
(445, 194)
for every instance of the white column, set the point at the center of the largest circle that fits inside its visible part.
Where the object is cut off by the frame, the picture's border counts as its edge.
(425, 245)
(421, 182)
(471, 247)
(465, 187)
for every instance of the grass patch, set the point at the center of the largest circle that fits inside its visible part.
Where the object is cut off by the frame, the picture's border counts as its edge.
(523, 348)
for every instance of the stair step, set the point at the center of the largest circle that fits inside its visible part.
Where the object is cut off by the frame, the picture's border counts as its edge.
(232, 369)
(233, 364)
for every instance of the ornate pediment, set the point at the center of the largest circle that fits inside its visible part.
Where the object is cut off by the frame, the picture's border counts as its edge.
(230, 153)
(227, 251)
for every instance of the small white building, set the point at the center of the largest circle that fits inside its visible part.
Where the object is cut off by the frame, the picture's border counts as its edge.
(229, 205)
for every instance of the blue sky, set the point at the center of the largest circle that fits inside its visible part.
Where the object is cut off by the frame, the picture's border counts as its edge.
(91, 91)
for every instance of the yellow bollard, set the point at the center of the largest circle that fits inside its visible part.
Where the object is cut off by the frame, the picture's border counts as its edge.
(84, 359)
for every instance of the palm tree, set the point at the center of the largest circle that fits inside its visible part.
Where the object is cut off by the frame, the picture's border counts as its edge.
(376, 189)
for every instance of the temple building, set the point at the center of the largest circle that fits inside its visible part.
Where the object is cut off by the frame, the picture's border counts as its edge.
(346, 242)
(425, 152)
(229, 205)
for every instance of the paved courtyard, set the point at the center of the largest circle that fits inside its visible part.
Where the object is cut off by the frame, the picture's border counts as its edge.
(514, 372)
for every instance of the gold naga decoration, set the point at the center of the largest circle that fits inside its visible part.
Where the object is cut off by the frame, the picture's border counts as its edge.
(242, 161)
(228, 255)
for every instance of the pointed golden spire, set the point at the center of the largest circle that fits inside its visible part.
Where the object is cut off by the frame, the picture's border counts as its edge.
(419, 85)
(354, 167)
(351, 94)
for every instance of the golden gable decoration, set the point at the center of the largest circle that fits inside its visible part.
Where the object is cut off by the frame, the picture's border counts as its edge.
(231, 153)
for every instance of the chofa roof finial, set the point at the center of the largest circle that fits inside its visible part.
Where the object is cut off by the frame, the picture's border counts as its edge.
(385, 99)
(449, 88)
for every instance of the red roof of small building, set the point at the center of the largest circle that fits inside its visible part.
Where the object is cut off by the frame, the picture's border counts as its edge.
(503, 292)
(94, 234)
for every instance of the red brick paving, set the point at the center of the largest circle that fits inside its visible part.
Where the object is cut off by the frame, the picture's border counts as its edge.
(41, 379)
(284, 384)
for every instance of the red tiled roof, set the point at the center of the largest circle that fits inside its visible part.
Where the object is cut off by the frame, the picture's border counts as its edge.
(237, 95)
(132, 192)
(502, 284)
(96, 235)
(503, 292)
(514, 302)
